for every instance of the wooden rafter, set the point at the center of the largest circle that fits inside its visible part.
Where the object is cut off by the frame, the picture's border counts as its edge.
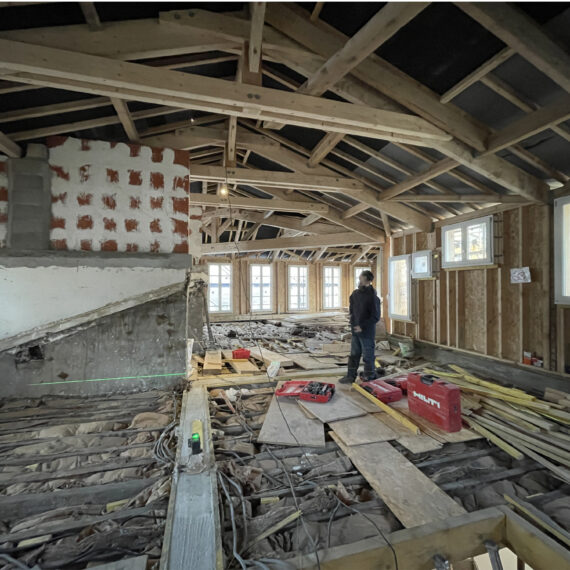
(90, 15)
(256, 203)
(256, 35)
(126, 119)
(523, 35)
(9, 147)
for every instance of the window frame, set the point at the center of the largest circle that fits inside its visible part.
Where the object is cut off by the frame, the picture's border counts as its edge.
(289, 298)
(395, 316)
(262, 309)
(425, 274)
(560, 255)
(463, 226)
(336, 268)
(219, 285)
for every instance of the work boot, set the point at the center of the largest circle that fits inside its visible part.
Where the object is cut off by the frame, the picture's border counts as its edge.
(347, 379)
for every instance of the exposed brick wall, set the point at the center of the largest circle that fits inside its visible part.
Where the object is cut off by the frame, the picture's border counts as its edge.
(3, 200)
(121, 197)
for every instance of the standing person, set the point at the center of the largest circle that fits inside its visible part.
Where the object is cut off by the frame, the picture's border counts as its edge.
(364, 314)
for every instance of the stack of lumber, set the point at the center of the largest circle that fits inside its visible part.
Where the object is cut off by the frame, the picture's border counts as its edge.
(517, 422)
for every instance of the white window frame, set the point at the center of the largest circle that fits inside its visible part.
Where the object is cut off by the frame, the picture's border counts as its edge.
(336, 269)
(418, 255)
(261, 309)
(561, 252)
(219, 287)
(396, 316)
(357, 272)
(305, 297)
(463, 226)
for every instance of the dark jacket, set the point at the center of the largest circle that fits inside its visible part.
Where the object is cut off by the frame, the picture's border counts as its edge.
(364, 308)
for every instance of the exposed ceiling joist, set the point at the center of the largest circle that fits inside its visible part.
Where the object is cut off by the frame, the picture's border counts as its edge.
(126, 119)
(90, 15)
(256, 203)
(256, 35)
(275, 244)
(524, 35)
(9, 147)
(466, 198)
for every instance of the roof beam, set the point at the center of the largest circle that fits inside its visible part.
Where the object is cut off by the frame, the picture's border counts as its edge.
(477, 198)
(256, 203)
(524, 35)
(477, 74)
(380, 28)
(530, 124)
(9, 147)
(301, 242)
(126, 119)
(90, 15)
(275, 178)
(256, 35)
(323, 147)
(91, 74)
(316, 11)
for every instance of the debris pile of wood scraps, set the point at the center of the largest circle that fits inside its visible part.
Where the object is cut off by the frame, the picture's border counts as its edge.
(519, 423)
(85, 480)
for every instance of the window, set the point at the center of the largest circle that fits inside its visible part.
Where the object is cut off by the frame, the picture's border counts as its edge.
(220, 287)
(468, 243)
(357, 272)
(298, 290)
(399, 286)
(331, 287)
(562, 250)
(421, 264)
(261, 287)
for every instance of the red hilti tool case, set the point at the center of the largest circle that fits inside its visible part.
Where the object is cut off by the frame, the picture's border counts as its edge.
(436, 400)
(382, 390)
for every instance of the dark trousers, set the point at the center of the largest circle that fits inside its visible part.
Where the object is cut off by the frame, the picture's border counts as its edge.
(362, 345)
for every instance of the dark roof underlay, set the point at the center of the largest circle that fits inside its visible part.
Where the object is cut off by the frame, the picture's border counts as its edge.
(438, 48)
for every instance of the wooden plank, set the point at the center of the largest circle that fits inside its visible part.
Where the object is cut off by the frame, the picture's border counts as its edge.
(256, 35)
(253, 203)
(286, 424)
(9, 147)
(411, 496)
(305, 361)
(419, 443)
(338, 408)
(212, 362)
(136, 563)
(268, 356)
(367, 429)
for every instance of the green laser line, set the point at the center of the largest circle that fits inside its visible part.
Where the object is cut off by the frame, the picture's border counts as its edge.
(107, 379)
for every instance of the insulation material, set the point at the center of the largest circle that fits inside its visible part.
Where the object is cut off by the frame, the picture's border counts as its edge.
(3, 200)
(121, 197)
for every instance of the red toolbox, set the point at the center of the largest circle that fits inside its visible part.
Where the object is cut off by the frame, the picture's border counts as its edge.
(399, 381)
(307, 390)
(435, 399)
(382, 390)
(241, 354)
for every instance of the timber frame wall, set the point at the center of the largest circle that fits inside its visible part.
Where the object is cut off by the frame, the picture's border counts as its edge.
(241, 274)
(478, 309)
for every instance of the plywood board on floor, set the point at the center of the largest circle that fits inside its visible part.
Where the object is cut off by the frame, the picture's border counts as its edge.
(416, 443)
(412, 497)
(361, 430)
(286, 424)
(240, 366)
(338, 408)
(305, 361)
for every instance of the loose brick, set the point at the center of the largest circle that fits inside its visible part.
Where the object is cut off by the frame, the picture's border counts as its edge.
(59, 243)
(157, 154)
(135, 203)
(135, 177)
(86, 245)
(112, 176)
(84, 173)
(157, 180)
(109, 245)
(180, 248)
(180, 227)
(84, 199)
(180, 205)
(110, 224)
(155, 226)
(59, 172)
(84, 222)
(156, 203)
(57, 223)
(109, 202)
(131, 225)
(132, 247)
